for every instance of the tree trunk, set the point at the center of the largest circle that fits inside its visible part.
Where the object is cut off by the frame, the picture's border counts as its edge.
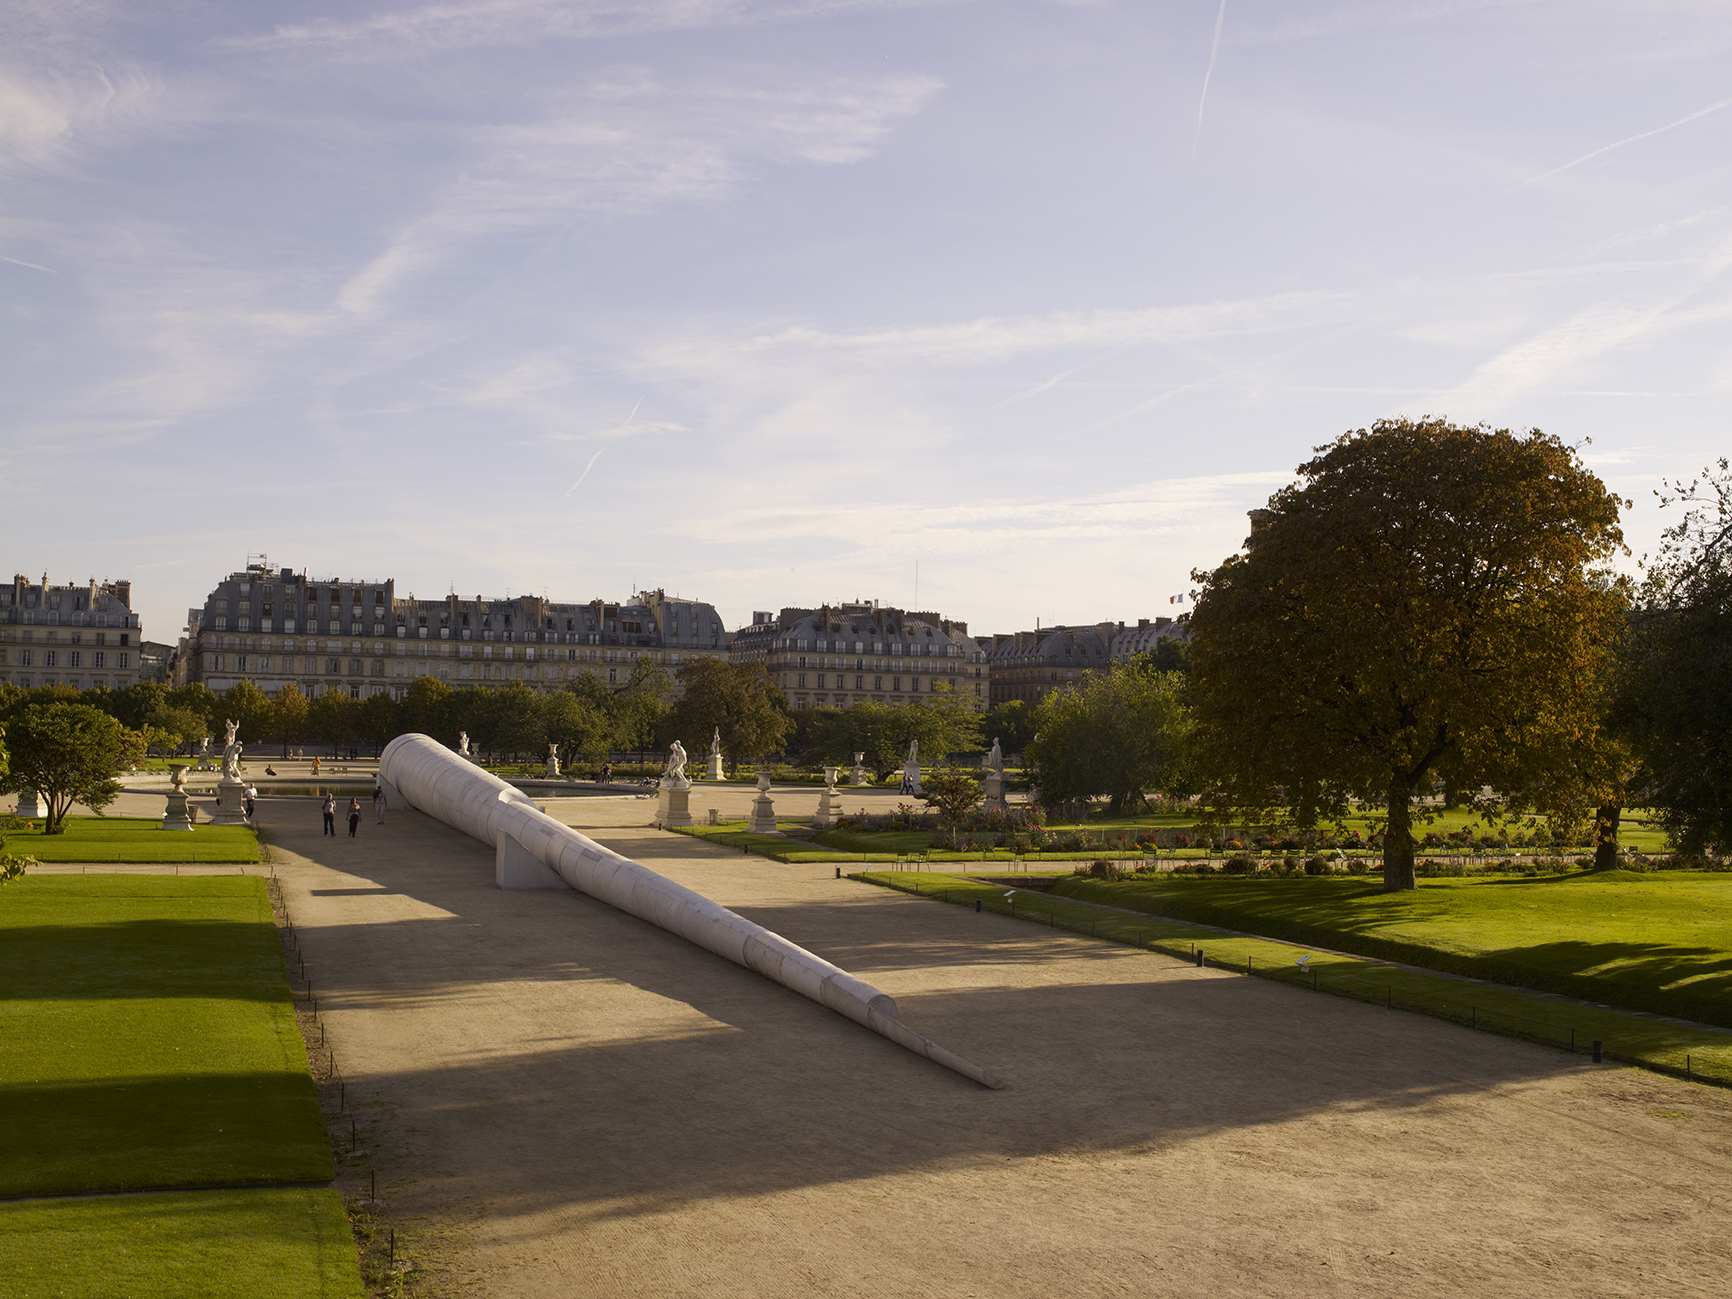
(1398, 839)
(1606, 818)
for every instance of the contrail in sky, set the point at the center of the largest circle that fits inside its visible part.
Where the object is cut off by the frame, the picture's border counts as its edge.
(587, 468)
(1619, 144)
(32, 265)
(1214, 49)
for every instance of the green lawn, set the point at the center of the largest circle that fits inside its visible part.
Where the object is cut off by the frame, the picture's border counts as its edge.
(885, 846)
(280, 1243)
(1655, 1043)
(147, 1038)
(133, 839)
(1658, 942)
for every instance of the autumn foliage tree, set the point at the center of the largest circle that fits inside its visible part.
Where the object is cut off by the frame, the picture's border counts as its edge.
(1422, 606)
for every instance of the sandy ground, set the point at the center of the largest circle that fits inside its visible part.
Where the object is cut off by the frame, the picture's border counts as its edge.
(607, 1111)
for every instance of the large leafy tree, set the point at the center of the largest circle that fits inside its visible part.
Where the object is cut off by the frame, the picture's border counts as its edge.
(1117, 734)
(429, 707)
(1420, 607)
(378, 720)
(579, 726)
(67, 753)
(739, 699)
(1673, 699)
(943, 724)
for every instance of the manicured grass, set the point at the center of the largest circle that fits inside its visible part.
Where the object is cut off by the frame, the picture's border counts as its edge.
(280, 1243)
(733, 834)
(1516, 1012)
(1658, 942)
(147, 1038)
(134, 839)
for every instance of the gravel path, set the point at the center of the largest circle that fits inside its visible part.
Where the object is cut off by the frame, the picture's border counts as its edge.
(603, 1110)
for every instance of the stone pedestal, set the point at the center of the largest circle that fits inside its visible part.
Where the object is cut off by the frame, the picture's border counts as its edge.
(29, 804)
(175, 816)
(673, 807)
(763, 811)
(827, 801)
(552, 769)
(992, 790)
(714, 770)
(911, 777)
(859, 772)
(231, 803)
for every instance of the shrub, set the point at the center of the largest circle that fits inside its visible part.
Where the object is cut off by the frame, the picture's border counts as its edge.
(1316, 866)
(12, 865)
(1357, 866)
(1181, 841)
(1240, 865)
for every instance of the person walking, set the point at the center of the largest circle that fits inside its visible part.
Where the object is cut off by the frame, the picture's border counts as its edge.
(330, 806)
(379, 803)
(354, 816)
(252, 797)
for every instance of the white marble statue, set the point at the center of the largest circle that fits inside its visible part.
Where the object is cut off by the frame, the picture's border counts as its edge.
(462, 744)
(676, 772)
(914, 750)
(231, 752)
(716, 743)
(553, 762)
(995, 759)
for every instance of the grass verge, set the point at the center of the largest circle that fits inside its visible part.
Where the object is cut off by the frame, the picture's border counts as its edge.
(1654, 942)
(1654, 1043)
(134, 839)
(149, 1038)
(823, 848)
(278, 1243)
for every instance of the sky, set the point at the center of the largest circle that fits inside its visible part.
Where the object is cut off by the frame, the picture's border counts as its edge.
(1006, 309)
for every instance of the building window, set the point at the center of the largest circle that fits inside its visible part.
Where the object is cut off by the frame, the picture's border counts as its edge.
(612, 676)
(859, 683)
(878, 683)
(51, 659)
(77, 658)
(896, 683)
(26, 658)
(354, 667)
(222, 624)
(820, 681)
(120, 660)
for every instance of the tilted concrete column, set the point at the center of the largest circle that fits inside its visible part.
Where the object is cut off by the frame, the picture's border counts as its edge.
(442, 785)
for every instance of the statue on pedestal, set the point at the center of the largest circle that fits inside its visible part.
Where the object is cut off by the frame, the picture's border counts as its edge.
(858, 775)
(715, 764)
(231, 752)
(675, 775)
(995, 759)
(463, 744)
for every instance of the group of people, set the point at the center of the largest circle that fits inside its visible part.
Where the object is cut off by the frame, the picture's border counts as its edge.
(354, 812)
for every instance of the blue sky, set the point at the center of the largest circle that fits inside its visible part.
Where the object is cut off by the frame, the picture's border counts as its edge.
(768, 301)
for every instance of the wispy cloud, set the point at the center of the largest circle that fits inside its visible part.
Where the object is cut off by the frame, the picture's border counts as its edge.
(585, 474)
(632, 144)
(517, 22)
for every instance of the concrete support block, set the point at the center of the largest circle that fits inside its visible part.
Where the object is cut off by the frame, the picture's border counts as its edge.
(515, 867)
(174, 816)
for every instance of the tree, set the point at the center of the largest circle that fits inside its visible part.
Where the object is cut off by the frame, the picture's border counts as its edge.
(250, 709)
(67, 753)
(1673, 697)
(954, 791)
(377, 720)
(186, 726)
(428, 709)
(516, 723)
(578, 726)
(289, 715)
(1118, 734)
(1011, 724)
(640, 707)
(739, 699)
(1419, 608)
(333, 717)
(137, 706)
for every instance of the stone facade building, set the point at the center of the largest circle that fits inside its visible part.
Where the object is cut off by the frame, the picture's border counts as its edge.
(842, 654)
(1029, 665)
(85, 636)
(323, 634)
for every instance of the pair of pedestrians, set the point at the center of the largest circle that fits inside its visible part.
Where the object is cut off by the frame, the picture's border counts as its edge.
(354, 814)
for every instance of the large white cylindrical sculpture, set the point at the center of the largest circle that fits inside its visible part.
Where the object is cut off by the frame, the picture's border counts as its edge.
(426, 775)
